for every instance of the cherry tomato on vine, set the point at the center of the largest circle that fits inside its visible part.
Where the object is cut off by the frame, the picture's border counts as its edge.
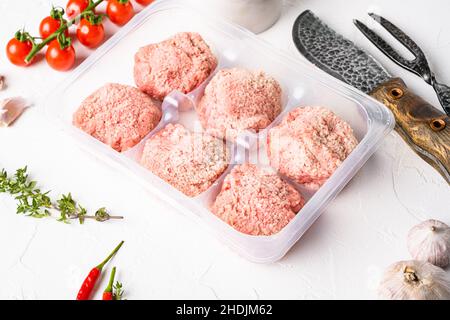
(18, 48)
(119, 11)
(52, 23)
(48, 26)
(59, 57)
(144, 2)
(90, 32)
(75, 7)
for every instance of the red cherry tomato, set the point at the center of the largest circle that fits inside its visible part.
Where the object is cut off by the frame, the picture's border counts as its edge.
(60, 59)
(75, 7)
(119, 11)
(144, 2)
(48, 26)
(17, 51)
(52, 23)
(89, 34)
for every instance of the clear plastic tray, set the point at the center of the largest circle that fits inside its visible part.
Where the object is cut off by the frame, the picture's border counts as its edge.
(234, 46)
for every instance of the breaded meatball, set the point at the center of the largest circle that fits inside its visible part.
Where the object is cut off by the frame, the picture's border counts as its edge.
(256, 201)
(181, 63)
(237, 100)
(191, 162)
(117, 115)
(309, 145)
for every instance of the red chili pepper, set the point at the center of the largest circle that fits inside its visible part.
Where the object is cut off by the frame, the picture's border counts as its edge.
(108, 293)
(107, 296)
(89, 283)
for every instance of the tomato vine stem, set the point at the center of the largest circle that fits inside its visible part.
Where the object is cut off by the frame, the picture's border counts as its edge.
(38, 47)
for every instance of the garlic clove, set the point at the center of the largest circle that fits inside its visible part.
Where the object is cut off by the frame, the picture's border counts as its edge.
(430, 241)
(10, 110)
(414, 280)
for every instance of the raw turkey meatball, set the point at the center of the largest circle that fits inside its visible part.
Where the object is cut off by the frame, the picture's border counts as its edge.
(237, 100)
(117, 115)
(256, 201)
(309, 145)
(191, 162)
(181, 63)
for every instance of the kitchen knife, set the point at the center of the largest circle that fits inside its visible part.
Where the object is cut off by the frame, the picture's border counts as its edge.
(423, 127)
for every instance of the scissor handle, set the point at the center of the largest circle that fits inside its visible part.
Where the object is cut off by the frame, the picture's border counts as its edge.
(422, 126)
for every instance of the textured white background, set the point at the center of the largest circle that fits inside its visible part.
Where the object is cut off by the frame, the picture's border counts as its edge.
(166, 255)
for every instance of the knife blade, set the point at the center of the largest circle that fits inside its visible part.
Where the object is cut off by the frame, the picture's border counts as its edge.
(423, 127)
(336, 55)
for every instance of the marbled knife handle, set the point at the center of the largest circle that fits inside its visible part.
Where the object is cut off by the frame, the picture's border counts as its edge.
(423, 127)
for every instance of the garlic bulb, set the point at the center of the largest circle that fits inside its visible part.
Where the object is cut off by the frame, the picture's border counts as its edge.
(414, 280)
(430, 241)
(10, 110)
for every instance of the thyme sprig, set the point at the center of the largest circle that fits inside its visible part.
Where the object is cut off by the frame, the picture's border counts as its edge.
(31, 201)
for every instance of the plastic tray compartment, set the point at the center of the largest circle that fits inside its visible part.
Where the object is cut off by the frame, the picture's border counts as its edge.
(302, 85)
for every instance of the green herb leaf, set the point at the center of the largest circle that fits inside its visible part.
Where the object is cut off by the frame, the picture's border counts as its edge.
(81, 214)
(118, 291)
(101, 215)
